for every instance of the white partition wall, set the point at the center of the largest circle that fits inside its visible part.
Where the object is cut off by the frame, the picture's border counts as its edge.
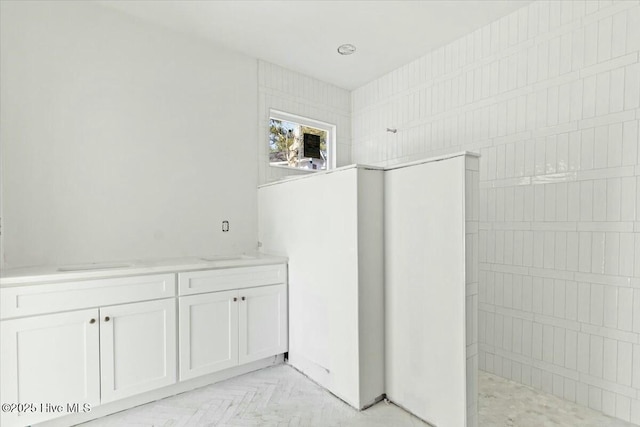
(472, 218)
(431, 289)
(330, 225)
(383, 279)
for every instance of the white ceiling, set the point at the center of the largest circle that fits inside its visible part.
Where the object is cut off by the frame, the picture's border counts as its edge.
(304, 35)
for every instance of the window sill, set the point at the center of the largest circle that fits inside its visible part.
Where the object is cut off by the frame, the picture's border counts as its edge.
(275, 165)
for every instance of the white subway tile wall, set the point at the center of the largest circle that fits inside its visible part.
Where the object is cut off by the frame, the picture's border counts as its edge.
(291, 92)
(550, 97)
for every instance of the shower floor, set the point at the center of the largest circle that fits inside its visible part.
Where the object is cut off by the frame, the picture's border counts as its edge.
(507, 403)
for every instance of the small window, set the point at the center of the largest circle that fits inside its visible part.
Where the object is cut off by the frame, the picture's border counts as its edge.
(300, 143)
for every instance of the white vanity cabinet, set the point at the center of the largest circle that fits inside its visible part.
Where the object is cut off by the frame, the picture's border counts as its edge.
(95, 355)
(262, 320)
(208, 333)
(116, 339)
(222, 329)
(49, 359)
(137, 348)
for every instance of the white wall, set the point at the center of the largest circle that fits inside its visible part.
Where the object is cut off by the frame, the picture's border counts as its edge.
(121, 139)
(430, 288)
(292, 92)
(550, 96)
(334, 306)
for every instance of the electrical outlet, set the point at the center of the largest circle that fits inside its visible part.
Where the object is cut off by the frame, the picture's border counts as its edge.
(225, 226)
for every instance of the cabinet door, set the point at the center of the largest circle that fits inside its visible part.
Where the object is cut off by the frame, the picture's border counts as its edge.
(208, 333)
(49, 359)
(137, 348)
(262, 322)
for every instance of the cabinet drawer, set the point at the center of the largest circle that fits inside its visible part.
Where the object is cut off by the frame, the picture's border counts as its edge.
(37, 299)
(197, 282)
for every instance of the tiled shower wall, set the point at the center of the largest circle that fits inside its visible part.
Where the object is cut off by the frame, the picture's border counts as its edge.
(295, 93)
(550, 97)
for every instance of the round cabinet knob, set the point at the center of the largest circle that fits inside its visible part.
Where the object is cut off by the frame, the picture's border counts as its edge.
(92, 321)
(235, 298)
(107, 318)
(244, 298)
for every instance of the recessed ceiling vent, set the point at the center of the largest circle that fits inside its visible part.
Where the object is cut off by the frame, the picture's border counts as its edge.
(346, 49)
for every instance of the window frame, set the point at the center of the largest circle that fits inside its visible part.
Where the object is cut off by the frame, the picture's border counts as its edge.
(317, 124)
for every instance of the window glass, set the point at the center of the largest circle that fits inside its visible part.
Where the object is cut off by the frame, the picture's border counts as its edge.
(298, 143)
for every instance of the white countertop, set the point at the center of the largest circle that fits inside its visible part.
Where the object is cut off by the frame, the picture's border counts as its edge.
(41, 274)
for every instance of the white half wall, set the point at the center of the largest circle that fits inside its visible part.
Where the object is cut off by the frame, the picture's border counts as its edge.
(425, 291)
(335, 285)
(121, 139)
